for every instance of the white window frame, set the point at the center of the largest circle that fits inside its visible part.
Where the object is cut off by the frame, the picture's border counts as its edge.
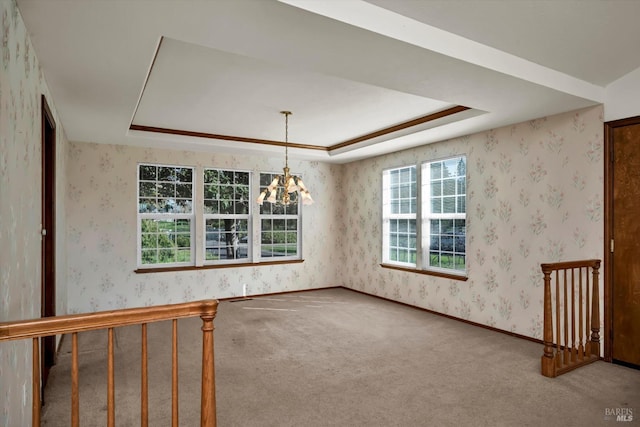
(388, 215)
(428, 215)
(297, 217)
(247, 217)
(165, 216)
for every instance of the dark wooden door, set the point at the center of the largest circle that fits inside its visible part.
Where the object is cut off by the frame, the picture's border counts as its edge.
(48, 285)
(624, 240)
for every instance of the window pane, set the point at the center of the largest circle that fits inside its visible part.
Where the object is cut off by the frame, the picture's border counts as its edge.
(184, 175)
(405, 175)
(211, 207)
(147, 173)
(436, 205)
(148, 189)
(405, 191)
(184, 191)
(242, 208)
(462, 205)
(226, 239)
(462, 185)
(436, 170)
(149, 241)
(395, 176)
(210, 176)
(405, 206)
(446, 260)
(147, 206)
(166, 174)
(166, 189)
(395, 193)
(436, 188)
(434, 259)
(449, 187)
(446, 226)
(149, 256)
(242, 178)
(448, 205)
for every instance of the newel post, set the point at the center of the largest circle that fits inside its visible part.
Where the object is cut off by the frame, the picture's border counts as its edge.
(208, 396)
(548, 365)
(595, 311)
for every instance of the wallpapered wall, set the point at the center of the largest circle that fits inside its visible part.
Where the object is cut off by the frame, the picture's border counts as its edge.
(102, 215)
(21, 86)
(535, 195)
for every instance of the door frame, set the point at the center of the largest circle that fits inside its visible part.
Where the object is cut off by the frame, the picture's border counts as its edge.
(608, 230)
(48, 241)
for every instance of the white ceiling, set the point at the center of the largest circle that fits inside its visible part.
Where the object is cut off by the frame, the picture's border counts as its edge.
(224, 69)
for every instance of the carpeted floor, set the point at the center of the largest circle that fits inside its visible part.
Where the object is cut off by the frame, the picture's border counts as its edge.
(335, 357)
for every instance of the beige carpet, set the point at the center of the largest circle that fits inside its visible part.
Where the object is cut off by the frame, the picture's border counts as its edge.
(339, 358)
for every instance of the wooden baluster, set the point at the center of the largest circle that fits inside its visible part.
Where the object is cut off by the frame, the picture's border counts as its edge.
(35, 383)
(75, 392)
(547, 356)
(144, 386)
(208, 396)
(588, 314)
(573, 317)
(595, 308)
(558, 322)
(111, 405)
(565, 353)
(581, 327)
(174, 375)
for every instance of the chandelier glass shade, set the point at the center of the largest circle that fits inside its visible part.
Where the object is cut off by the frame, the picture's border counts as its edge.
(286, 188)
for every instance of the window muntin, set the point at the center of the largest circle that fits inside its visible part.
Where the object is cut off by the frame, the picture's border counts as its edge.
(399, 216)
(165, 215)
(279, 227)
(444, 214)
(226, 210)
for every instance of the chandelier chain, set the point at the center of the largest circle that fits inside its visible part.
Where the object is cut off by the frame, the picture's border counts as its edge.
(286, 137)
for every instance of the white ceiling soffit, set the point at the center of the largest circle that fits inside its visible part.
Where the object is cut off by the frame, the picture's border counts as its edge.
(190, 87)
(344, 68)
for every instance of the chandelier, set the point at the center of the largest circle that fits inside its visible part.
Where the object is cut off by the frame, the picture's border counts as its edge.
(284, 189)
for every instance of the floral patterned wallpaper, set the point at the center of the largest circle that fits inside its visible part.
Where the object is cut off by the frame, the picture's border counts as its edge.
(102, 215)
(535, 195)
(21, 86)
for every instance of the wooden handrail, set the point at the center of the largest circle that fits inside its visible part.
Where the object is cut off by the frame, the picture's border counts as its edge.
(59, 325)
(72, 324)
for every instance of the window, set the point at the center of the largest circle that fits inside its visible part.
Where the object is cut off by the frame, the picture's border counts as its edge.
(444, 213)
(165, 215)
(399, 215)
(279, 227)
(226, 215)
(441, 206)
(175, 210)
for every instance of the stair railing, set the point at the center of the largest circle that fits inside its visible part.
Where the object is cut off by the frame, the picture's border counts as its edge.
(72, 324)
(571, 316)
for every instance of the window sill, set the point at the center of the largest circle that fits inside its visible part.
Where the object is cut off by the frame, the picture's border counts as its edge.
(426, 272)
(213, 266)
